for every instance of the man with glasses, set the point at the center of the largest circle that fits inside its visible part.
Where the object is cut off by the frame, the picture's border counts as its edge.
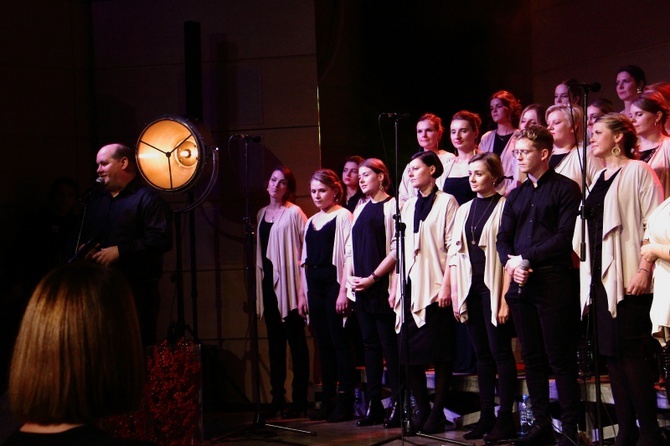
(535, 245)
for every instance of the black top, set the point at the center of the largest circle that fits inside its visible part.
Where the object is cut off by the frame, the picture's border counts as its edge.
(538, 222)
(500, 142)
(78, 436)
(264, 235)
(319, 244)
(423, 207)
(594, 210)
(480, 212)
(139, 222)
(647, 154)
(555, 160)
(460, 188)
(353, 201)
(368, 239)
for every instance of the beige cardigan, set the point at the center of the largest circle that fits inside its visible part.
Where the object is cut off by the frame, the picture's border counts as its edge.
(460, 259)
(633, 195)
(658, 231)
(425, 254)
(284, 251)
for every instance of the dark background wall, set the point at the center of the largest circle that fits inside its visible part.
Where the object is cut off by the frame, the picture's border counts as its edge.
(310, 77)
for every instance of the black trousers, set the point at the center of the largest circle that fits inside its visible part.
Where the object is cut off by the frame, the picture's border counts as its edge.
(337, 363)
(379, 342)
(546, 318)
(493, 350)
(280, 332)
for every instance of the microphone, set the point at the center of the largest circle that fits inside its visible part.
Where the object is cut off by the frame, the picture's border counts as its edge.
(524, 265)
(593, 86)
(255, 139)
(397, 115)
(88, 192)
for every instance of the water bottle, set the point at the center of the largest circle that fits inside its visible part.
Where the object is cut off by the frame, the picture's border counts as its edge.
(525, 415)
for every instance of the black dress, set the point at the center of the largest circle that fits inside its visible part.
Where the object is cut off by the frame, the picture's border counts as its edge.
(432, 343)
(627, 335)
(465, 360)
(369, 239)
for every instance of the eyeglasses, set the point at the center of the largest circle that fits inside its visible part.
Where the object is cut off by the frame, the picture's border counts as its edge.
(523, 152)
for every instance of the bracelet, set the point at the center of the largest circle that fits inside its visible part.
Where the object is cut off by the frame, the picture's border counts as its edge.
(374, 277)
(645, 270)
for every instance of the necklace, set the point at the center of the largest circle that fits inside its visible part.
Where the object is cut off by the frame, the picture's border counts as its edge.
(271, 215)
(473, 228)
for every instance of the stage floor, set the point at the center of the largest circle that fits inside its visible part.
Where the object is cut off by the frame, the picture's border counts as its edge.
(229, 428)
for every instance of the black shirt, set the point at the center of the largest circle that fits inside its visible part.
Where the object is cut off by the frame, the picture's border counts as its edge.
(139, 222)
(538, 222)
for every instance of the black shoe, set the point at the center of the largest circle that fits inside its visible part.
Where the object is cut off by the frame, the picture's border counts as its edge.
(537, 436)
(295, 410)
(374, 414)
(568, 437)
(435, 424)
(504, 429)
(420, 417)
(395, 417)
(344, 409)
(323, 412)
(484, 426)
(275, 408)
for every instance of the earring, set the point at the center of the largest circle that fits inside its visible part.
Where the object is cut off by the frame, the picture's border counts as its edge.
(616, 150)
(381, 187)
(639, 90)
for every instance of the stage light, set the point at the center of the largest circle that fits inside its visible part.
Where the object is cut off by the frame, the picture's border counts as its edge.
(170, 153)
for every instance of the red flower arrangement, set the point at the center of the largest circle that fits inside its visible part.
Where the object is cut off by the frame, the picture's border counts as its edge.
(171, 410)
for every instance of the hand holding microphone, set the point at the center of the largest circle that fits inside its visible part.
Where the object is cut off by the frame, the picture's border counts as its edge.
(522, 272)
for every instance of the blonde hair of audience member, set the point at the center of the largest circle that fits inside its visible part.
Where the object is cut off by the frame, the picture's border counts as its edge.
(78, 356)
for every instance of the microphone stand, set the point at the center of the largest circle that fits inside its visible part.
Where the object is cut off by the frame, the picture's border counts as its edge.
(582, 256)
(406, 423)
(250, 281)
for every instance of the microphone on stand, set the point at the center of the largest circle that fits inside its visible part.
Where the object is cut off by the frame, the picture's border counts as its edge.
(91, 190)
(524, 265)
(255, 139)
(589, 86)
(396, 115)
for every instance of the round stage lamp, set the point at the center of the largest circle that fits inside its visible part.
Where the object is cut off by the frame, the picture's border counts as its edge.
(171, 153)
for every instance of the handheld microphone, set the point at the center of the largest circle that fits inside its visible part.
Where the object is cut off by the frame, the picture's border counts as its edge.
(255, 139)
(524, 265)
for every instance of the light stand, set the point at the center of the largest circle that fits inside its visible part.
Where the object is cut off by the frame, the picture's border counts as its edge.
(406, 423)
(582, 256)
(171, 156)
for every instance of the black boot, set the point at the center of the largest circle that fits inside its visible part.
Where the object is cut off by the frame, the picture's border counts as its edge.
(503, 429)
(374, 414)
(344, 409)
(323, 412)
(395, 417)
(486, 422)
